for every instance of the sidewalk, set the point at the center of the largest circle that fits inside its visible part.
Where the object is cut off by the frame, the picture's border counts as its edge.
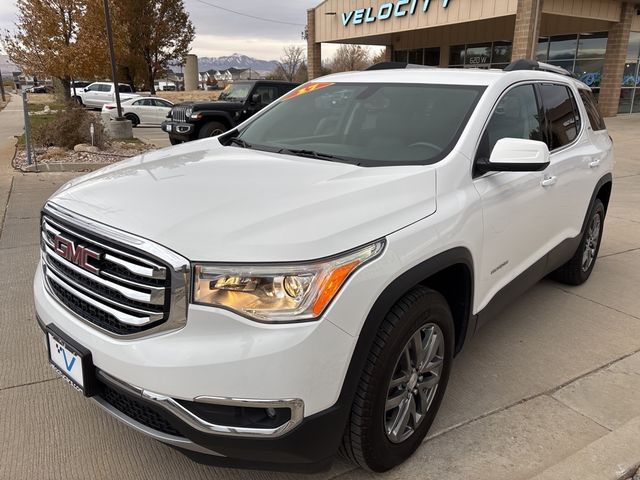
(550, 388)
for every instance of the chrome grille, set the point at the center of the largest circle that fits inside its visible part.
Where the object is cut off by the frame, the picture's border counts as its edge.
(116, 287)
(179, 114)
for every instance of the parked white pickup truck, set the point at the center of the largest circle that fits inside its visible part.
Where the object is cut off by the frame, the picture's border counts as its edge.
(97, 94)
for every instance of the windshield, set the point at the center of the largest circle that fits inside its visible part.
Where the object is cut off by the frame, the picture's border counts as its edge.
(235, 92)
(367, 124)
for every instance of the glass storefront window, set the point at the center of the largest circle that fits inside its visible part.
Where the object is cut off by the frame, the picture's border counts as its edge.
(563, 47)
(634, 45)
(589, 71)
(542, 52)
(566, 64)
(636, 102)
(478, 55)
(592, 45)
(456, 55)
(416, 56)
(626, 98)
(630, 78)
(501, 52)
(400, 56)
(432, 56)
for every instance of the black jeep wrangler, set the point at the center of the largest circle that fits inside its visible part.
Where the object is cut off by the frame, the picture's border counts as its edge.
(240, 100)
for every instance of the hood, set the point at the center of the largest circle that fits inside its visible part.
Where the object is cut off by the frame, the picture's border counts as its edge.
(213, 105)
(228, 204)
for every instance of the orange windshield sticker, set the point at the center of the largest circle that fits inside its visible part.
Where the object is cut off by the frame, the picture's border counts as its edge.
(308, 88)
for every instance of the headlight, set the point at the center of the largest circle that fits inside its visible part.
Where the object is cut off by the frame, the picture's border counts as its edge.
(188, 111)
(279, 293)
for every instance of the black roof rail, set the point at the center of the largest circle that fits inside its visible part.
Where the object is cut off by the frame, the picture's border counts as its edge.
(395, 66)
(535, 65)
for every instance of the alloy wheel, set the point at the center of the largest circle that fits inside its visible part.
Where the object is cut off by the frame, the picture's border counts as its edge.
(414, 382)
(591, 243)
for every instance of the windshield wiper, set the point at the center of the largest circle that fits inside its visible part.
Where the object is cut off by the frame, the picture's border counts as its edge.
(241, 143)
(311, 154)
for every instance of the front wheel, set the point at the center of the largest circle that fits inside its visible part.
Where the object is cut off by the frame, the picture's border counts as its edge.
(577, 270)
(174, 140)
(212, 129)
(403, 382)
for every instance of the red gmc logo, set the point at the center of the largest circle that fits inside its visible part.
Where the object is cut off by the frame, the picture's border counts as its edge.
(75, 254)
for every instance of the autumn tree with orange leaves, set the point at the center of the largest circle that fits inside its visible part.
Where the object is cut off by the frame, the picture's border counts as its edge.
(65, 39)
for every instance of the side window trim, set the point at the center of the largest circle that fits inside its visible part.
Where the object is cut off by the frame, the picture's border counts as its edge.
(548, 124)
(487, 121)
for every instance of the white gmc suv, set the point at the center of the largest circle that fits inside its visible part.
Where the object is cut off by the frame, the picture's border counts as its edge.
(300, 285)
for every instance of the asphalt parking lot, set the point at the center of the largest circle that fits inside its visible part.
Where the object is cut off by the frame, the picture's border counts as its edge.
(554, 377)
(152, 135)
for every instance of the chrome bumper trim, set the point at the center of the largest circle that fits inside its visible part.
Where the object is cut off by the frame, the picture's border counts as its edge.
(169, 404)
(150, 432)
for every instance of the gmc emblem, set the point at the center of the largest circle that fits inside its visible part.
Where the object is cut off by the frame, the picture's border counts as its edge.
(75, 254)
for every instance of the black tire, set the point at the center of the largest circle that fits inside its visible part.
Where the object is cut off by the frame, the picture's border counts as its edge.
(366, 441)
(212, 129)
(576, 271)
(174, 140)
(133, 118)
(78, 100)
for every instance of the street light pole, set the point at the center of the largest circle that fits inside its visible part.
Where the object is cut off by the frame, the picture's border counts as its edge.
(107, 19)
(2, 87)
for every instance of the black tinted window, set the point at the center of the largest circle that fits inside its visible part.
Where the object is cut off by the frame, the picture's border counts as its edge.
(595, 118)
(124, 89)
(562, 115)
(516, 116)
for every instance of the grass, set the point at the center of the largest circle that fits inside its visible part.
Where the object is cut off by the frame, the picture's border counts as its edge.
(38, 107)
(133, 141)
(36, 121)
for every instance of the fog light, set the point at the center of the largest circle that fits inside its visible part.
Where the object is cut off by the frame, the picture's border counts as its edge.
(271, 412)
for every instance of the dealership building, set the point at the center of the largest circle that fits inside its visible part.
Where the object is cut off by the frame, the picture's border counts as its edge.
(598, 40)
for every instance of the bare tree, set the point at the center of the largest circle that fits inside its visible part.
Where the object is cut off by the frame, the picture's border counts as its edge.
(350, 58)
(292, 59)
(378, 57)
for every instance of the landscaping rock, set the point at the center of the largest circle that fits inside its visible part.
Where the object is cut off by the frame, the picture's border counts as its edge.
(46, 109)
(83, 147)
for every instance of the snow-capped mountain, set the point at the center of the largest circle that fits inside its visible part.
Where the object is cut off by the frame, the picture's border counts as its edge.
(237, 61)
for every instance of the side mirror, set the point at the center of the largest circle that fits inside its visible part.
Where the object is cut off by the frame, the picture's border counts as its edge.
(255, 98)
(84, 90)
(515, 155)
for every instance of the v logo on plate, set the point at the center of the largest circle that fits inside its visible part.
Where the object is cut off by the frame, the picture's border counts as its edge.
(68, 364)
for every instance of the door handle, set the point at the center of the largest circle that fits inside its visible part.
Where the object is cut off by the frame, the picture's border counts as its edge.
(595, 163)
(548, 181)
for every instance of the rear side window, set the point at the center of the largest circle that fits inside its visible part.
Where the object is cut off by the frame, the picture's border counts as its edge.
(124, 89)
(516, 116)
(593, 112)
(562, 115)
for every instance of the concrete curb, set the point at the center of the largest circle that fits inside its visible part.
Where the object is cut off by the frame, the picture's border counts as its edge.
(63, 167)
(615, 456)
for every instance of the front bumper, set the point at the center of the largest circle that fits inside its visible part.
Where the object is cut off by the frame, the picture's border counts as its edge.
(219, 354)
(183, 131)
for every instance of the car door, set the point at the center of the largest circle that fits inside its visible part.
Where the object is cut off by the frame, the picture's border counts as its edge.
(90, 96)
(103, 95)
(574, 160)
(515, 205)
(266, 95)
(160, 110)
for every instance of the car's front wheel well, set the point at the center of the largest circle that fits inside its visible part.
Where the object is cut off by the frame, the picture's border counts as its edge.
(454, 283)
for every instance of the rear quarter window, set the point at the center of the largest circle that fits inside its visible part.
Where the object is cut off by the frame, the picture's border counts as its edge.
(562, 115)
(593, 112)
